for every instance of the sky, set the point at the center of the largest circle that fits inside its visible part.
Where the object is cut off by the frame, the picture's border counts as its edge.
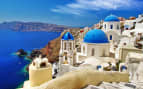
(76, 13)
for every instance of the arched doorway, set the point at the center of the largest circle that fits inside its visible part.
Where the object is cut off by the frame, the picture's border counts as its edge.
(110, 37)
(111, 26)
(70, 46)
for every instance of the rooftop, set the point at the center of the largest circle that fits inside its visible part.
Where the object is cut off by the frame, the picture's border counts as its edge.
(111, 18)
(95, 36)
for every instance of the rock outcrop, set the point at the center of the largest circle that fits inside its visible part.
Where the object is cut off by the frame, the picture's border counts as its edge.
(52, 49)
(35, 53)
(21, 52)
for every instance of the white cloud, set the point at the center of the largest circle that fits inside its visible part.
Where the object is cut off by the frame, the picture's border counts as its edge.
(81, 6)
(62, 9)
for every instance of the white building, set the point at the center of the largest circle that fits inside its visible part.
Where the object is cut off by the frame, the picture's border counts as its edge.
(67, 49)
(138, 28)
(111, 27)
(92, 45)
(140, 18)
(128, 24)
(40, 71)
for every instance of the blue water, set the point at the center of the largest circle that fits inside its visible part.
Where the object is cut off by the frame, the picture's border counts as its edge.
(11, 66)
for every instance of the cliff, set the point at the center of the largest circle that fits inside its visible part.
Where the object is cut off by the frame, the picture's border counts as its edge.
(52, 49)
(32, 26)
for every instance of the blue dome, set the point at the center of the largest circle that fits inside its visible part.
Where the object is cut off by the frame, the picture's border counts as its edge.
(95, 36)
(111, 18)
(67, 36)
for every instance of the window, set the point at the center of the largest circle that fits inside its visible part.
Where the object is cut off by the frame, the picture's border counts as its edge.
(33, 63)
(42, 65)
(111, 26)
(92, 53)
(124, 44)
(134, 23)
(70, 45)
(83, 49)
(117, 26)
(110, 37)
(64, 46)
(66, 58)
(105, 26)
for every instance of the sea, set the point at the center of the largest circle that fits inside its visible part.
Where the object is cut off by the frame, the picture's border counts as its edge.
(12, 67)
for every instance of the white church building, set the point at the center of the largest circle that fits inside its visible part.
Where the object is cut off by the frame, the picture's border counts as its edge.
(95, 46)
(111, 26)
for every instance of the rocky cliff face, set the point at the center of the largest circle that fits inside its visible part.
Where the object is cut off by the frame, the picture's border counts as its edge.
(52, 49)
(32, 26)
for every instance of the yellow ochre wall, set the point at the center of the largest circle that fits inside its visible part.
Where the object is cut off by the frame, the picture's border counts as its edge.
(39, 76)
